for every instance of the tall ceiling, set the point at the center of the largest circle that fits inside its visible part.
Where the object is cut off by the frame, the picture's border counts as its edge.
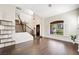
(44, 10)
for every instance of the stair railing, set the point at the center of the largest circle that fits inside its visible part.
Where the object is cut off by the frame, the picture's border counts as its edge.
(26, 28)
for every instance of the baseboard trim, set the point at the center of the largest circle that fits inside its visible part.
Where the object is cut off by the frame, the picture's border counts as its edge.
(57, 39)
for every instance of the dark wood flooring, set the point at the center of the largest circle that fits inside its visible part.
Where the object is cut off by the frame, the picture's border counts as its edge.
(42, 46)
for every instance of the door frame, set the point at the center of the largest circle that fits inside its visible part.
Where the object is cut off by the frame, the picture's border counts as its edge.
(38, 34)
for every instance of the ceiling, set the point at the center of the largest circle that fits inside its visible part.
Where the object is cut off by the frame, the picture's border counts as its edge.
(44, 10)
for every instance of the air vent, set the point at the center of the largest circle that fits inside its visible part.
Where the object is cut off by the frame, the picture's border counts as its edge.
(18, 8)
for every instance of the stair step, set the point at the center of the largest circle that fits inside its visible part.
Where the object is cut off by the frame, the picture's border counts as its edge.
(1, 45)
(5, 38)
(7, 25)
(6, 34)
(7, 29)
(7, 42)
(5, 21)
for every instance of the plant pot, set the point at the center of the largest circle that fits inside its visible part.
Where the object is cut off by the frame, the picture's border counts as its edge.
(75, 45)
(73, 42)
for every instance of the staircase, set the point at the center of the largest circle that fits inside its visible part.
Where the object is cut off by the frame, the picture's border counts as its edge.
(6, 30)
(29, 30)
(26, 28)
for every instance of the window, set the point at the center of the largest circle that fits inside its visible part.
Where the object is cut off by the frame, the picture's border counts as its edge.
(56, 27)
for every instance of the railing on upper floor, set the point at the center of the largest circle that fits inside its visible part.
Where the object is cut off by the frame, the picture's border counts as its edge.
(26, 28)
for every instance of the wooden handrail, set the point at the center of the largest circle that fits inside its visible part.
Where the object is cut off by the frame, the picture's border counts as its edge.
(32, 31)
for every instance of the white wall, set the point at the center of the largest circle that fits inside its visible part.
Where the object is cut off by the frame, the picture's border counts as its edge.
(70, 25)
(23, 37)
(7, 12)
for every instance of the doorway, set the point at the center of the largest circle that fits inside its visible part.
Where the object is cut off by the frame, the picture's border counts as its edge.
(38, 30)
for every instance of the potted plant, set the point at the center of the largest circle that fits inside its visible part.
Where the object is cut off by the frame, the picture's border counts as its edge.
(73, 37)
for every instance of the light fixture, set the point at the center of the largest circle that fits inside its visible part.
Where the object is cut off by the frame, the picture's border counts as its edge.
(50, 5)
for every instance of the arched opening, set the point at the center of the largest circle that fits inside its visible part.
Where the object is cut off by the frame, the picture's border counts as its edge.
(56, 27)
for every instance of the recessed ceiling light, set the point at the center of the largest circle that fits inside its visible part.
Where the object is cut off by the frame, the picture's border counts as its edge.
(18, 8)
(50, 5)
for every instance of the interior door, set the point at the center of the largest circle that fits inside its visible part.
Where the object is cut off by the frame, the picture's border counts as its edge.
(38, 30)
